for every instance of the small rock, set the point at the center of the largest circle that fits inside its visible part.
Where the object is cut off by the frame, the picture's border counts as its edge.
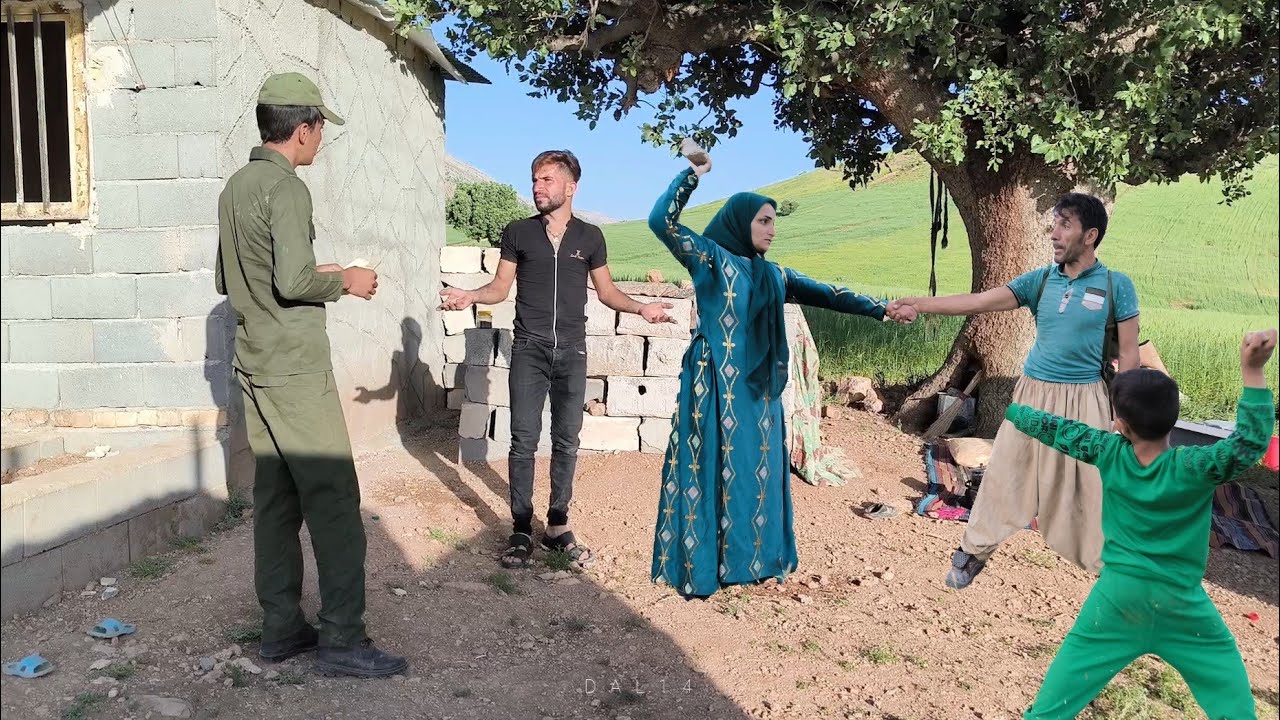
(100, 664)
(235, 650)
(206, 664)
(247, 665)
(270, 675)
(53, 600)
(91, 586)
(88, 593)
(423, 583)
(569, 582)
(110, 592)
(112, 693)
(107, 582)
(399, 592)
(101, 649)
(548, 576)
(596, 408)
(104, 680)
(654, 276)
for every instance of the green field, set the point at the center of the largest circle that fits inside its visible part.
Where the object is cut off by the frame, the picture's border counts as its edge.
(1205, 272)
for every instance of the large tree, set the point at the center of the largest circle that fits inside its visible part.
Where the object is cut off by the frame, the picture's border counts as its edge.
(1011, 103)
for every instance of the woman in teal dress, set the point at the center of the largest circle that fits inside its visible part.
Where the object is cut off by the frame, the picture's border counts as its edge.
(725, 514)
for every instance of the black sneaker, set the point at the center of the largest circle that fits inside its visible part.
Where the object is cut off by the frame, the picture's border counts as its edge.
(362, 660)
(964, 568)
(305, 640)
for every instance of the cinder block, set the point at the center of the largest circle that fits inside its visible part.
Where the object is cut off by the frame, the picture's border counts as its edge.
(655, 434)
(4, 252)
(457, 321)
(152, 532)
(461, 259)
(501, 316)
(11, 535)
(488, 385)
(28, 386)
(206, 338)
(177, 295)
(454, 399)
(117, 204)
(643, 397)
(99, 386)
(185, 385)
(135, 157)
(93, 556)
(664, 356)
(25, 298)
(480, 346)
(501, 431)
(465, 281)
(24, 586)
(595, 390)
(199, 248)
(115, 112)
(50, 253)
(491, 258)
(58, 517)
(94, 297)
(178, 110)
(131, 341)
(195, 64)
(156, 65)
(682, 313)
(600, 319)
(482, 450)
(474, 420)
(182, 202)
(4, 342)
(609, 433)
(198, 156)
(137, 251)
(175, 20)
(52, 341)
(609, 355)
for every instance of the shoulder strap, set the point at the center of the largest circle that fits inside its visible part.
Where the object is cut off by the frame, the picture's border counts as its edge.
(1044, 280)
(1111, 302)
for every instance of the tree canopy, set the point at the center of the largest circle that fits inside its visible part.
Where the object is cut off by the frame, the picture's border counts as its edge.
(1107, 92)
(482, 209)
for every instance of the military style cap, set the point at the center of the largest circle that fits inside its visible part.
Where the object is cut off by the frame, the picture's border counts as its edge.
(295, 89)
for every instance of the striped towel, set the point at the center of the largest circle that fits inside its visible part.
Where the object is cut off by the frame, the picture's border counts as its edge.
(1240, 521)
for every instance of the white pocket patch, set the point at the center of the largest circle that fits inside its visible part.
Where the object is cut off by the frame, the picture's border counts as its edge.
(1094, 298)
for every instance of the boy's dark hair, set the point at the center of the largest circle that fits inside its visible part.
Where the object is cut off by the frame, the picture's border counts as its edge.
(563, 158)
(276, 123)
(1147, 400)
(1088, 209)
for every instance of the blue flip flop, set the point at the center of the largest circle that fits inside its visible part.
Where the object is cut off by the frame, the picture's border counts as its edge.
(31, 666)
(110, 628)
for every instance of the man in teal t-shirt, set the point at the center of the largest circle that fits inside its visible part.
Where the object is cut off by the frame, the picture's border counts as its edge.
(1073, 300)
(1156, 506)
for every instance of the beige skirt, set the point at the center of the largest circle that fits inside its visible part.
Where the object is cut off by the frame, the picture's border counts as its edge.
(1027, 480)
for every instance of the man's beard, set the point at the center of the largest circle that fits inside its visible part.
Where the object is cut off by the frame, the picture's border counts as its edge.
(550, 204)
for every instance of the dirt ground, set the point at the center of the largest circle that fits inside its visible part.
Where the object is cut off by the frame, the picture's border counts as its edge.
(865, 629)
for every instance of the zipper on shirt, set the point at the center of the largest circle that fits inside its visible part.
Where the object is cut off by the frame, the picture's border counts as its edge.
(555, 295)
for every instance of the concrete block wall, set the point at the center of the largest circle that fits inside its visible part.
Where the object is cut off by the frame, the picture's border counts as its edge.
(633, 367)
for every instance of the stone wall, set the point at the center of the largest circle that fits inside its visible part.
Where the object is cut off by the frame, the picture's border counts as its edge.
(114, 322)
(633, 367)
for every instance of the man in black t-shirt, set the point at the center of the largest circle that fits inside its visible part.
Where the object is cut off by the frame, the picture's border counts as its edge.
(551, 255)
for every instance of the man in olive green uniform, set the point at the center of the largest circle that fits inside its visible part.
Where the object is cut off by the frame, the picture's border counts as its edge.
(305, 470)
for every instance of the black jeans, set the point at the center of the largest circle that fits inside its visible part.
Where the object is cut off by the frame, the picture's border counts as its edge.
(535, 370)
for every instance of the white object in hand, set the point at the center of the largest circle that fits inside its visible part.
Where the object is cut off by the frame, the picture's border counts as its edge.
(359, 262)
(693, 152)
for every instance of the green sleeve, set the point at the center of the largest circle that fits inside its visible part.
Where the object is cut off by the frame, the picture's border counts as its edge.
(294, 271)
(219, 282)
(1076, 439)
(693, 251)
(807, 291)
(1224, 460)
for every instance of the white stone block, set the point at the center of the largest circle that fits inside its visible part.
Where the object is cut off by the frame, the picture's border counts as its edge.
(460, 259)
(609, 433)
(455, 398)
(609, 355)
(492, 256)
(456, 321)
(455, 348)
(642, 396)
(681, 312)
(595, 390)
(501, 316)
(655, 433)
(488, 385)
(465, 281)
(664, 356)
(600, 319)
(474, 420)
(453, 376)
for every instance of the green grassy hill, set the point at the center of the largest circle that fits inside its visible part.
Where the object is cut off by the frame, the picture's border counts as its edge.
(1205, 272)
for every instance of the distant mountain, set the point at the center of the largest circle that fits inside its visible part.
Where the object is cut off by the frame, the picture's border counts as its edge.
(457, 171)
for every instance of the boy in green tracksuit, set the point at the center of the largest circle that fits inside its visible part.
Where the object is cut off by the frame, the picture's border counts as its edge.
(1156, 503)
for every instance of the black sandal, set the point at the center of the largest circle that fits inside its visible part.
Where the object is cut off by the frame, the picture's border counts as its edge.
(566, 543)
(519, 552)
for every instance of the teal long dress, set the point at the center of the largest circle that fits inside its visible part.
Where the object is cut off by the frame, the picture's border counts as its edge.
(725, 514)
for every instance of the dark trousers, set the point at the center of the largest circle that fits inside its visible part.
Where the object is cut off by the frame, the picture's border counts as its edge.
(535, 370)
(304, 472)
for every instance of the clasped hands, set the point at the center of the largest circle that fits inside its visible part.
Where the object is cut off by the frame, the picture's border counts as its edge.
(901, 311)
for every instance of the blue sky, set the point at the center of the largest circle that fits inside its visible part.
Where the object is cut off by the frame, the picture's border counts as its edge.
(498, 128)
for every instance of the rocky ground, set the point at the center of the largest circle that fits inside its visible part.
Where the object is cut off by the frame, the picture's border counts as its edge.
(865, 629)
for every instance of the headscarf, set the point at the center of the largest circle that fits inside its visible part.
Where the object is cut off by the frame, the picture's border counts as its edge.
(766, 352)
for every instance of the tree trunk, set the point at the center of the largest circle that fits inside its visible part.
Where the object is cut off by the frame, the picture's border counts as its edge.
(1007, 215)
